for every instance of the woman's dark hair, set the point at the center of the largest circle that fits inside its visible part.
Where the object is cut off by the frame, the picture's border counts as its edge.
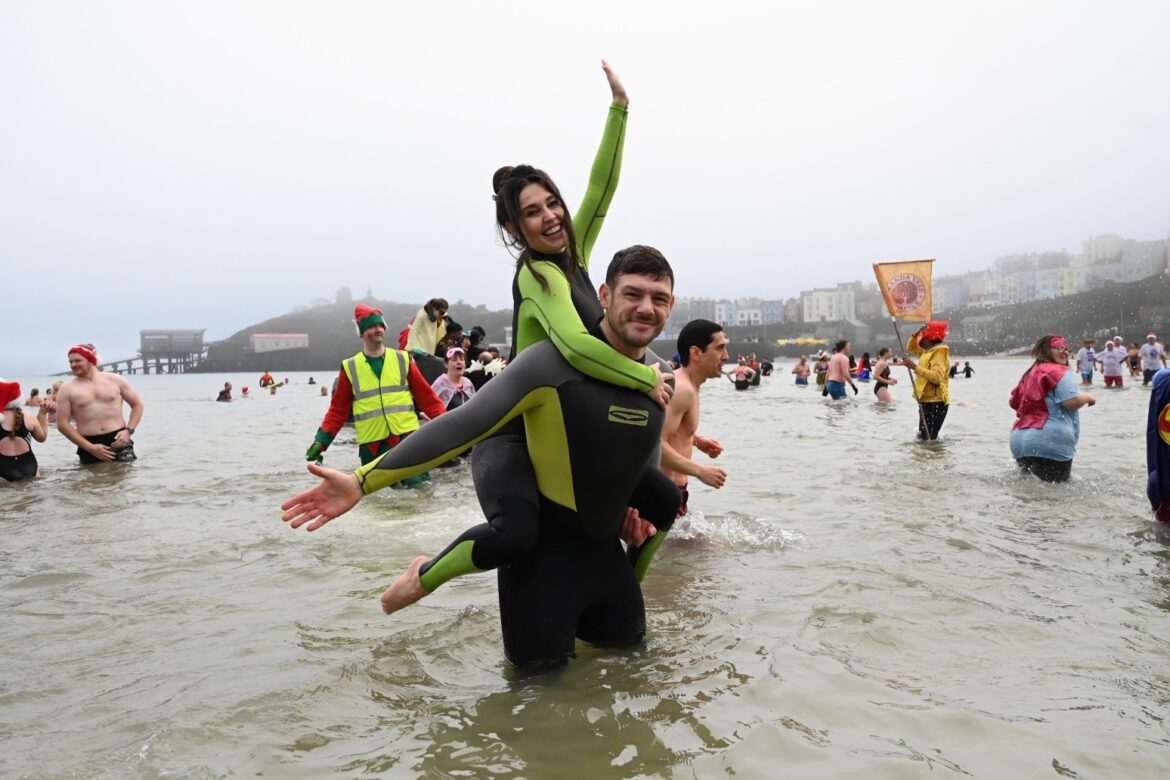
(883, 351)
(17, 422)
(507, 184)
(432, 306)
(840, 345)
(1042, 353)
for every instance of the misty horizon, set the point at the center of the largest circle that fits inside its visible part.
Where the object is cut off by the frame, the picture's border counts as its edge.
(213, 166)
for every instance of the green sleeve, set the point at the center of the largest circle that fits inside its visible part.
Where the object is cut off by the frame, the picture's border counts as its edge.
(552, 313)
(603, 179)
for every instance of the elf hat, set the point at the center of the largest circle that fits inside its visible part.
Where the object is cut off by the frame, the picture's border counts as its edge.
(367, 317)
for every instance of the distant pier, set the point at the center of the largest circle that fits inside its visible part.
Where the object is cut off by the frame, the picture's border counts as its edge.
(166, 351)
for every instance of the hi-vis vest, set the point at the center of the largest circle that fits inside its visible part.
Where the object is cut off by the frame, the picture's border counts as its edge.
(381, 406)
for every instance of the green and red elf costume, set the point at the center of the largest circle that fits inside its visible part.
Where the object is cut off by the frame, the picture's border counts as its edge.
(380, 392)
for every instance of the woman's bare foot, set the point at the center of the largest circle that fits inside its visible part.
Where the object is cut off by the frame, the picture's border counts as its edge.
(406, 589)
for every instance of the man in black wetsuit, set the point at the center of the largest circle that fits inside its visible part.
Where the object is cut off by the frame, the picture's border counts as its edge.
(595, 441)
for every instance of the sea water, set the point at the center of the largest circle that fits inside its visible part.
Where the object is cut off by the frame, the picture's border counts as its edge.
(851, 604)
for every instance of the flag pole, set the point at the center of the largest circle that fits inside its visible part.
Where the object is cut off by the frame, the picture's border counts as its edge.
(915, 274)
(913, 384)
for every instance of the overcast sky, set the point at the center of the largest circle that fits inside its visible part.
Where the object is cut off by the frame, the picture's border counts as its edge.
(212, 164)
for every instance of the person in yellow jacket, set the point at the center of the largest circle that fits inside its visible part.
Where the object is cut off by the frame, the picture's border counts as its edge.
(428, 327)
(931, 380)
(380, 388)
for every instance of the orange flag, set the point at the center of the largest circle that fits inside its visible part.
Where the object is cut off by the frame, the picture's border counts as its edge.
(905, 287)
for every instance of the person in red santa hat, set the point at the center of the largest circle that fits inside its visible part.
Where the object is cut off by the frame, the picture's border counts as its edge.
(931, 380)
(89, 410)
(17, 461)
(380, 388)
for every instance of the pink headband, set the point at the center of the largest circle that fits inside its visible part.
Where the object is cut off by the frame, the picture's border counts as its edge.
(86, 351)
(1056, 342)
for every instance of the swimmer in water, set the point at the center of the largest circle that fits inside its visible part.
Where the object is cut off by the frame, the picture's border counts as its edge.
(702, 350)
(17, 433)
(801, 371)
(882, 378)
(838, 374)
(93, 400)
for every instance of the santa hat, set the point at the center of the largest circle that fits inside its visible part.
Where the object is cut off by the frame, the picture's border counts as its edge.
(87, 351)
(367, 317)
(9, 395)
(935, 331)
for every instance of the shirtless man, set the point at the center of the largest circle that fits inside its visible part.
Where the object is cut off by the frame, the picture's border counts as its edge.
(838, 375)
(93, 400)
(702, 351)
(801, 370)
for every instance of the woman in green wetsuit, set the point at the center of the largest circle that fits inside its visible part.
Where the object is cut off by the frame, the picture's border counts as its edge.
(597, 442)
(553, 300)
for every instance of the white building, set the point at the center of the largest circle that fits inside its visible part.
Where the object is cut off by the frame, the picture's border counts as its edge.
(828, 304)
(277, 342)
(725, 313)
(1141, 259)
(1103, 248)
(744, 316)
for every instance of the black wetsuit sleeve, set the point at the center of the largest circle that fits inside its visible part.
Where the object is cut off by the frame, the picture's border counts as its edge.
(515, 391)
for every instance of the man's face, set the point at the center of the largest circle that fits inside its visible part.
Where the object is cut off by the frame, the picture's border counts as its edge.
(637, 307)
(374, 336)
(709, 363)
(77, 364)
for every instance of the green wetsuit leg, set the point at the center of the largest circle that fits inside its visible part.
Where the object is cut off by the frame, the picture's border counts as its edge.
(506, 486)
(657, 500)
(514, 520)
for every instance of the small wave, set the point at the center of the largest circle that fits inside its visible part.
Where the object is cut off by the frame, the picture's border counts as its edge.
(733, 530)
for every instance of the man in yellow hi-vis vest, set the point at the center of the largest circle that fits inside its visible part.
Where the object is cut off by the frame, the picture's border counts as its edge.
(380, 387)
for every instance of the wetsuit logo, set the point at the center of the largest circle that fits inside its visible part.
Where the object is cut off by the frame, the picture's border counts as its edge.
(638, 417)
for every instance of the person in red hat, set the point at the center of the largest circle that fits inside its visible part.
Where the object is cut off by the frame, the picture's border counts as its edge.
(89, 410)
(380, 388)
(1153, 357)
(17, 461)
(931, 380)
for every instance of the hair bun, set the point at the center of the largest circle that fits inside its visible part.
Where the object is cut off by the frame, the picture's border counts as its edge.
(499, 176)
